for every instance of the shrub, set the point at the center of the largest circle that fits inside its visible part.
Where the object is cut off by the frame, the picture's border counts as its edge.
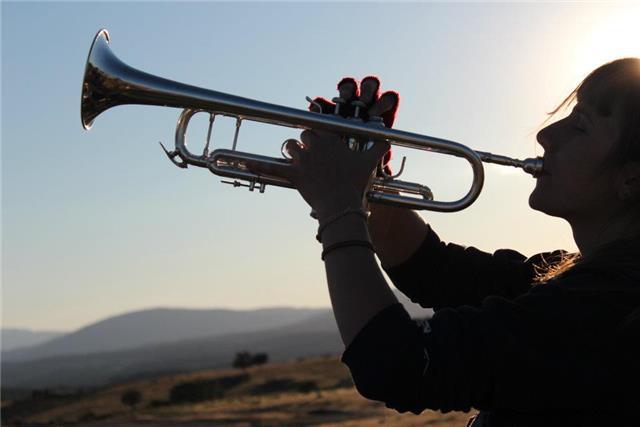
(198, 391)
(244, 359)
(259, 359)
(344, 383)
(131, 398)
(281, 385)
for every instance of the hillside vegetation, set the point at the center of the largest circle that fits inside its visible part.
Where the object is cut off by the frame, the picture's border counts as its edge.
(313, 391)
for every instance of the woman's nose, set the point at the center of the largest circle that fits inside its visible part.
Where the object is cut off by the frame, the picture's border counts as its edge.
(543, 138)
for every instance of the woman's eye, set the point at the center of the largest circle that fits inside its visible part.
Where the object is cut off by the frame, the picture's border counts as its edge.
(579, 124)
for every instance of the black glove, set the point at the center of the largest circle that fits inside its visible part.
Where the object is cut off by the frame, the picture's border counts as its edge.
(365, 101)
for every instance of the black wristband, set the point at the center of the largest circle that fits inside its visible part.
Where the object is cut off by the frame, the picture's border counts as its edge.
(333, 218)
(346, 243)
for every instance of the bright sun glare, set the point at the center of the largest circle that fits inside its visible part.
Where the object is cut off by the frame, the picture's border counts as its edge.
(613, 36)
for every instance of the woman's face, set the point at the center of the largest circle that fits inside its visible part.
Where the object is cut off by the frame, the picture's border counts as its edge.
(574, 184)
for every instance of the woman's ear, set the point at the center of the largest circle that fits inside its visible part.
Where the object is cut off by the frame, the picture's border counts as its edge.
(628, 182)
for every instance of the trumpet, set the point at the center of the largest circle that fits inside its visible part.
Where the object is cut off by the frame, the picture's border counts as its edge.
(109, 82)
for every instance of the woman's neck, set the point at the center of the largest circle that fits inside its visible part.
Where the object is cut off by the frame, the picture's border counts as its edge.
(592, 234)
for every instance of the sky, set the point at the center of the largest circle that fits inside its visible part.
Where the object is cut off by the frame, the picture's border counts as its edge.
(99, 223)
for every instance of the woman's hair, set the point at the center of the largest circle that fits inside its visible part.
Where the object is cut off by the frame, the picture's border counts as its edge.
(546, 270)
(612, 88)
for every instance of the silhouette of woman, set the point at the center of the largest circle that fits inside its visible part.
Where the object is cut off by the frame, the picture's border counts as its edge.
(550, 340)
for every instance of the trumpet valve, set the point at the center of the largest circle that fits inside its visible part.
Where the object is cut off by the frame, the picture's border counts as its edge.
(357, 105)
(375, 121)
(338, 101)
(251, 185)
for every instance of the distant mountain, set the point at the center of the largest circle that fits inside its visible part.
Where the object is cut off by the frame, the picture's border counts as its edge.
(157, 326)
(164, 325)
(315, 335)
(97, 369)
(13, 338)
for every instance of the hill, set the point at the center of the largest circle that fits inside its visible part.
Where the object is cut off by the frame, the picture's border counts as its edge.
(98, 369)
(313, 391)
(161, 325)
(316, 334)
(13, 338)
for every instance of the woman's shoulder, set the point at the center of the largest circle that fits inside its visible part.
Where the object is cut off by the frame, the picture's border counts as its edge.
(601, 277)
(613, 268)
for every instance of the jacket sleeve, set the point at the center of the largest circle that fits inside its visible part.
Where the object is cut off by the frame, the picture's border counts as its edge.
(539, 351)
(448, 275)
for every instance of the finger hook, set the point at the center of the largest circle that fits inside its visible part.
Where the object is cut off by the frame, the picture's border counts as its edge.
(385, 175)
(172, 155)
(315, 104)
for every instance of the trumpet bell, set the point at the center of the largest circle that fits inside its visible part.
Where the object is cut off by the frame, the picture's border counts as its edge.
(109, 82)
(94, 100)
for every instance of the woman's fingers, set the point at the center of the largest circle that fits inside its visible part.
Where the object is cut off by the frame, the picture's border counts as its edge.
(369, 90)
(348, 89)
(315, 141)
(387, 102)
(310, 139)
(348, 92)
(294, 149)
(379, 149)
(321, 105)
(284, 170)
(386, 107)
(307, 137)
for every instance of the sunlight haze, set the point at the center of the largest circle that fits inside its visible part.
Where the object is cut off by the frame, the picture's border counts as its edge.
(100, 223)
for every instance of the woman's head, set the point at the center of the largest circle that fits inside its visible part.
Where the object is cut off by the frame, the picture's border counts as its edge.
(592, 156)
(613, 89)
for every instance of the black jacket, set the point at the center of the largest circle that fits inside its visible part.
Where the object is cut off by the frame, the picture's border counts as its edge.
(562, 353)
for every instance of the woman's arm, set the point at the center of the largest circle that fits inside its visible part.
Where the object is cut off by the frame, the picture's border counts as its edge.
(357, 287)
(434, 274)
(396, 233)
(543, 351)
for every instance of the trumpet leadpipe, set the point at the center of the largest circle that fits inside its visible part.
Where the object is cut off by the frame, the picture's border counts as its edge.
(533, 166)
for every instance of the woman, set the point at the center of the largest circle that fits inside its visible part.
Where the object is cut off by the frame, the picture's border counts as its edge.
(525, 349)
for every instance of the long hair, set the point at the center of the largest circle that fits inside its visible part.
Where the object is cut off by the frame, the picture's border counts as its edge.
(547, 270)
(612, 88)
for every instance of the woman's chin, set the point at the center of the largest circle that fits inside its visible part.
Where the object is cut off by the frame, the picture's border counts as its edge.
(534, 203)
(535, 199)
(538, 202)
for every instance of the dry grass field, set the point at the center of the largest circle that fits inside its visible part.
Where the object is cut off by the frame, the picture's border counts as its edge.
(314, 391)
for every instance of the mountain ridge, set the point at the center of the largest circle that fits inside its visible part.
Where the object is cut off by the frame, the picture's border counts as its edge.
(314, 334)
(14, 338)
(159, 325)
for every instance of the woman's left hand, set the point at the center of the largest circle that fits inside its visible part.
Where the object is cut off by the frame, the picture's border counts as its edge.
(328, 175)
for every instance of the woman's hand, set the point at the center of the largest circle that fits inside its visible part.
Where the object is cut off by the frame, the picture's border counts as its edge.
(330, 176)
(371, 104)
